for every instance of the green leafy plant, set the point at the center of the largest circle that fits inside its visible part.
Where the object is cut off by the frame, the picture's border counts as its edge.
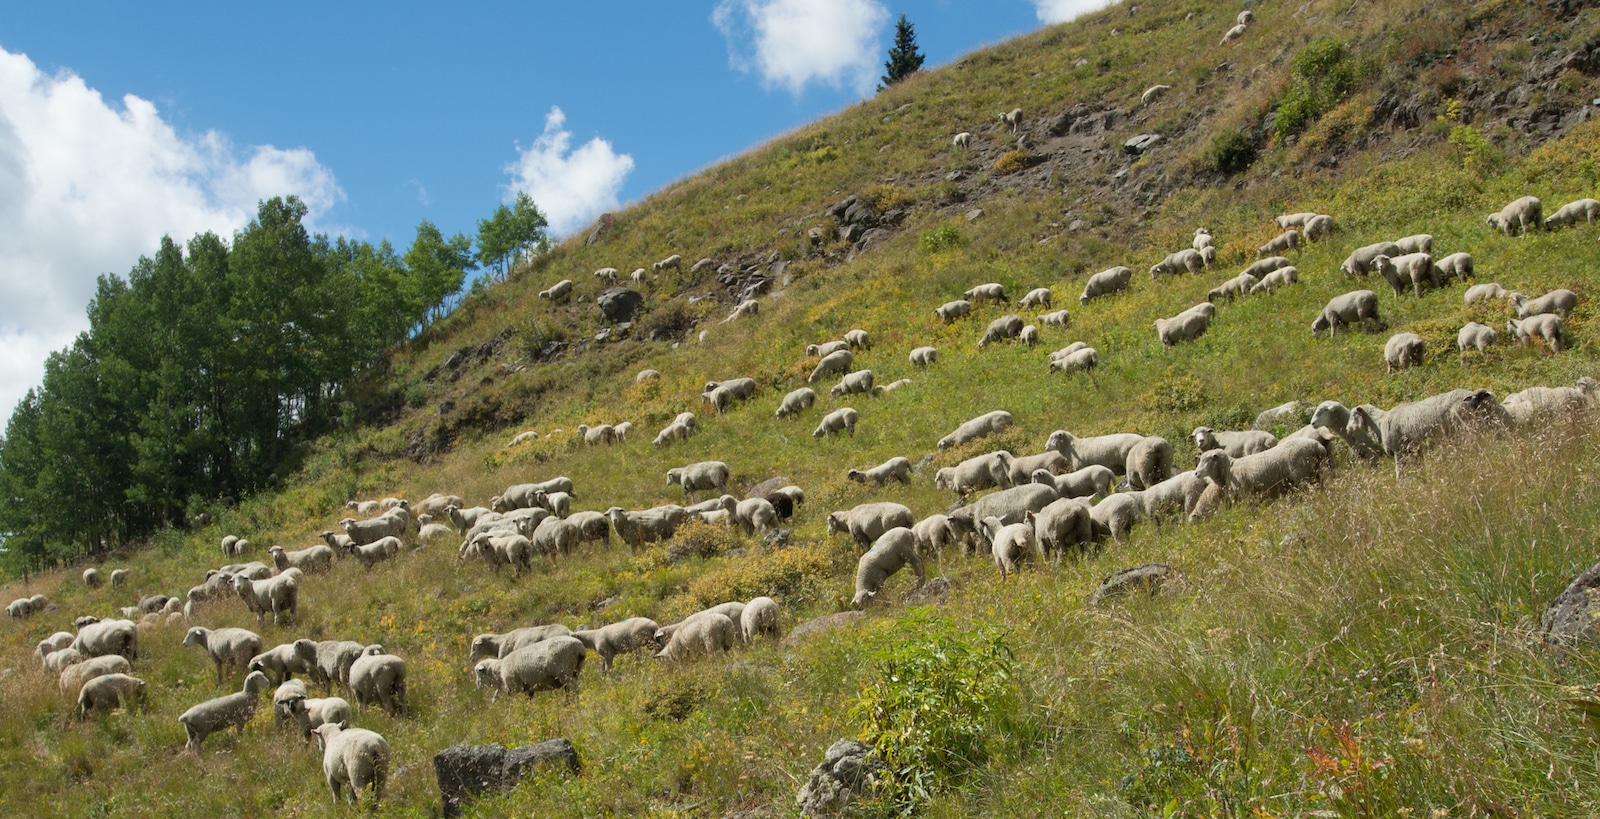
(943, 237)
(1321, 75)
(1230, 152)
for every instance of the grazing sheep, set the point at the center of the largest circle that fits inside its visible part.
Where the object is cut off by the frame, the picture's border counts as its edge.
(1110, 451)
(591, 526)
(1183, 261)
(1022, 469)
(697, 476)
(826, 349)
(856, 383)
(500, 645)
(1152, 93)
(894, 469)
(1282, 412)
(858, 339)
(600, 434)
(979, 472)
(378, 676)
(354, 758)
(1293, 462)
(835, 363)
(1261, 267)
(755, 515)
(748, 307)
(647, 375)
(1177, 496)
(891, 551)
(1560, 302)
(1068, 350)
(108, 691)
(340, 544)
(1547, 326)
(1535, 404)
(962, 140)
(1106, 282)
(1408, 272)
(732, 610)
(226, 646)
(1233, 34)
(1093, 481)
(230, 542)
(1202, 239)
(1319, 227)
(673, 262)
(1484, 292)
(118, 577)
(553, 538)
(1064, 522)
(842, 419)
(639, 276)
(548, 665)
(1403, 350)
(924, 356)
(760, 617)
(607, 274)
(558, 292)
(434, 532)
(952, 310)
(373, 553)
(891, 386)
(91, 578)
(1059, 318)
(1007, 326)
(866, 522)
(217, 714)
(1010, 544)
(933, 533)
(1084, 359)
(1405, 429)
(623, 637)
(989, 423)
(311, 714)
(992, 292)
(1359, 262)
(1012, 119)
(785, 500)
(288, 691)
(389, 524)
(1240, 285)
(1288, 240)
(705, 633)
(1281, 277)
(1186, 326)
(1458, 265)
(674, 431)
(54, 642)
(1355, 307)
(279, 595)
(722, 394)
(60, 660)
(1115, 516)
(1419, 243)
(1335, 417)
(1037, 297)
(106, 637)
(1245, 17)
(1586, 209)
(1518, 217)
(74, 676)
(1029, 336)
(1237, 444)
(647, 526)
(1293, 220)
(313, 560)
(1149, 462)
(1009, 505)
(1476, 335)
(280, 663)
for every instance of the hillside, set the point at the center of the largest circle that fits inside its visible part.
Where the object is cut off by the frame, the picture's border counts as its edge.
(1368, 647)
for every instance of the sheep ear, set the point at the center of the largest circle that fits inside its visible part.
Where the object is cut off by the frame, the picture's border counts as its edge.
(344, 724)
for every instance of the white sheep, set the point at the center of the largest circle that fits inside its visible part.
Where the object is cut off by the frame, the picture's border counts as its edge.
(1547, 326)
(1084, 359)
(607, 274)
(1355, 307)
(225, 646)
(1064, 522)
(60, 660)
(281, 662)
(1561, 302)
(1007, 326)
(1202, 239)
(1360, 260)
(989, 423)
(334, 658)
(858, 339)
(797, 402)
(104, 637)
(647, 375)
(1294, 220)
(1149, 462)
(54, 642)
(891, 551)
(1029, 336)
(1106, 282)
(622, 637)
(554, 537)
(379, 676)
(894, 469)
(1458, 265)
(548, 665)
(1586, 209)
(108, 691)
(75, 675)
(1012, 119)
(1238, 286)
(962, 140)
(1238, 444)
(1009, 505)
(1293, 462)
(355, 758)
(1110, 451)
(1183, 261)
(639, 276)
(1059, 318)
(1233, 34)
(558, 292)
(1117, 515)
(991, 291)
(704, 633)
(1407, 428)
(826, 349)
(748, 307)
(1408, 272)
(952, 310)
(1021, 469)
(1245, 17)
(1530, 405)
(1186, 326)
(1340, 420)
(499, 645)
(755, 515)
(217, 714)
(523, 437)
(760, 617)
(647, 526)
(282, 699)
(591, 527)
(1403, 350)
(868, 521)
(837, 362)
(1177, 496)
(1288, 240)
(856, 383)
(723, 394)
(1480, 336)
(1010, 544)
(312, 560)
(991, 469)
(673, 262)
(1418, 243)
(1319, 227)
(933, 533)
(311, 714)
(1037, 297)
(1092, 481)
(598, 434)
(699, 476)
(91, 578)
(924, 356)
(672, 432)
(118, 577)
(1281, 277)
(842, 419)
(279, 595)
(1517, 217)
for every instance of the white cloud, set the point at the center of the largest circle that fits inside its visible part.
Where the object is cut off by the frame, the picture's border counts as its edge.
(1060, 11)
(833, 42)
(571, 187)
(88, 187)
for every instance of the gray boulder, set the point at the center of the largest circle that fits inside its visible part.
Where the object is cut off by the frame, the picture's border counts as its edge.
(464, 771)
(1570, 618)
(846, 770)
(1151, 578)
(619, 304)
(1141, 143)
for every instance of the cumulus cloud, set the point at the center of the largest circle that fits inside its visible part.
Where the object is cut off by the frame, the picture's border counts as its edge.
(90, 186)
(1060, 11)
(796, 42)
(571, 187)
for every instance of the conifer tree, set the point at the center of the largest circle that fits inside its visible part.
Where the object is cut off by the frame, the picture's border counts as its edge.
(904, 58)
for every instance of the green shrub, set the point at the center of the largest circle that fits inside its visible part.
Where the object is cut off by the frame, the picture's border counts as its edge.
(1231, 152)
(535, 334)
(700, 539)
(1478, 154)
(943, 237)
(1012, 161)
(1320, 77)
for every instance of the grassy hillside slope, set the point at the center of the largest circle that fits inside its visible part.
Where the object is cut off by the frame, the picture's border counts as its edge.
(1363, 648)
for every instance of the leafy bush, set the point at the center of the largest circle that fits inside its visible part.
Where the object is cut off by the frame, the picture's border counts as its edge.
(1012, 161)
(884, 198)
(943, 237)
(536, 334)
(1231, 152)
(1320, 77)
(674, 698)
(700, 539)
(1478, 154)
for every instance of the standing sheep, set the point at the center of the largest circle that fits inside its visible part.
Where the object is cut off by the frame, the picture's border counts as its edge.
(894, 469)
(1518, 217)
(1288, 240)
(1547, 326)
(962, 140)
(1291, 463)
(279, 595)
(106, 637)
(1476, 335)
(1149, 462)
(1037, 297)
(842, 419)
(1183, 261)
(225, 646)
(91, 578)
(1008, 326)
(990, 423)
(1084, 359)
(1458, 265)
(1105, 283)
(797, 402)
(1403, 350)
(1586, 209)
(892, 551)
(1064, 522)
(1359, 262)
(558, 292)
(856, 383)
(858, 340)
(673, 262)
(1561, 302)
(624, 637)
(1186, 326)
(834, 363)
(118, 578)
(1419, 243)
(952, 310)
(1240, 285)
(1408, 272)
(1236, 444)
(705, 633)
(1012, 119)
(548, 665)
(1318, 228)
(924, 356)
(1009, 544)
(868, 521)
(698, 476)
(976, 473)
(991, 291)
(353, 758)
(1110, 451)
(378, 676)
(1359, 306)
(1092, 481)
(108, 691)
(1484, 292)
(282, 662)
(760, 616)
(217, 714)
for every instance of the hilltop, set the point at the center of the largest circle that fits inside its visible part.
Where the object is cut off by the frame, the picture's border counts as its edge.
(1365, 647)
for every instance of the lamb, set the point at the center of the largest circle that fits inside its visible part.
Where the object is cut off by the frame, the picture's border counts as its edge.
(1106, 282)
(226, 646)
(1012, 119)
(1187, 260)
(835, 363)
(856, 383)
(620, 432)
(786, 497)
(217, 714)
(1059, 318)
(723, 394)
(54, 642)
(1007, 326)
(840, 420)
(279, 595)
(313, 560)
(1009, 544)
(1484, 292)
(353, 757)
(91, 578)
(1319, 227)
(1267, 474)
(924, 356)
(672, 432)
(755, 514)
(1517, 217)
(1288, 240)
(559, 504)
(1281, 277)
(648, 526)
(933, 533)
(1408, 271)
(962, 140)
(1360, 261)
(639, 276)
(1117, 515)
(1037, 297)
(558, 292)
(952, 310)
(760, 616)
(311, 714)
(1084, 360)
(826, 348)
(673, 262)
(1547, 326)
(118, 577)
(107, 637)
(1149, 462)
(1560, 302)
(1110, 451)
(1476, 335)
(1065, 521)
(607, 274)
(977, 473)
(548, 665)
(1238, 286)
(1186, 326)
(1458, 265)
(868, 521)
(991, 291)
(892, 551)
(500, 645)
(748, 307)
(894, 469)
(74, 676)
(1586, 209)
(1419, 243)
(378, 676)
(280, 663)
(229, 542)
(1541, 403)
(340, 544)
(1233, 34)
(108, 691)
(989, 423)
(373, 553)
(1293, 220)
(1358, 306)
(1403, 350)
(1029, 336)
(1093, 481)
(1237, 444)
(623, 637)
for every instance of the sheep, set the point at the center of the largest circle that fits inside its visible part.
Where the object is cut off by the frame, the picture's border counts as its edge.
(1278, 278)
(607, 275)
(1476, 335)
(783, 502)
(639, 276)
(500, 645)
(1419, 243)
(1085, 359)
(864, 523)
(989, 423)
(1359, 262)
(1288, 240)
(311, 714)
(733, 610)
(1059, 318)
(54, 642)
(858, 339)
(435, 504)
(648, 526)
(746, 308)
(1020, 470)
(60, 660)
(108, 691)
(952, 310)
(704, 633)
(962, 140)
(524, 495)
(991, 469)
(760, 616)
(1009, 505)
(1237, 444)
(229, 542)
(372, 554)
(218, 584)
(1319, 227)
(1403, 350)
(673, 262)
(1560, 302)
(1092, 481)
(1037, 297)
(1186, 326)
(548, 665)
(1405, 429)
(1267, 474)
(894, 469)
(1245, 17)
(362, 532)
(281, 662)
(1183, 261)
(553, 538)
(924, 356)
(1068, 350)
(672, 432)
(992, 292)
(118, 577)
(1012, 119)
(855, 383)
(1029, 336)
(279, 595)
(1357, 306)
(558, 292)
(1238, 286)
(1063, 522)
(1294, 220)
(334, 658)
(313, 560)
(1538, 403)
(1178, 495)
(217, 714)
(1110, 451)
(1517, 217)
(340, 544)
(1408, 271)
(354, 758)
(1484, 292)
(1339, 419)
(698, 476)
(283, 698)
(91, 578)
(434, 532)
(1586, 209)
(835, 363)
(933, 533)
(1149, 462)
(376, 675)
(1009, 544)
(623, 637)
(891, 551)
(723, 394)
(1232, 34)
(226, 646)
(1106, 282)
(151, 603)
(598, 434)
(591, 526)
(1116, 515)
(840, 420)
(755, 514)
(1007, 326)
(826, 349)
(107, 637)
(1261, 267)
(74, 676)
(1547, 326)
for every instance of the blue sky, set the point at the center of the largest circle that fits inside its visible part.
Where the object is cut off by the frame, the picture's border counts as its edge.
(121, 122)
